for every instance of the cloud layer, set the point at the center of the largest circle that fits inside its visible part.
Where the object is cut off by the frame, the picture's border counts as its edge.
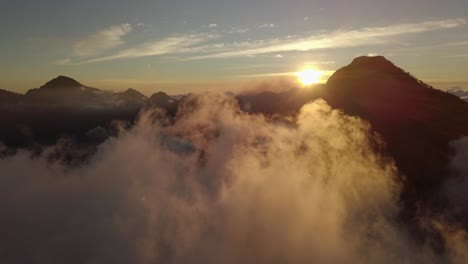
(213, 45)
(218, 186)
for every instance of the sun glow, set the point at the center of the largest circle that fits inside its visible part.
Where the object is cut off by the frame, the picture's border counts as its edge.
(309, 76)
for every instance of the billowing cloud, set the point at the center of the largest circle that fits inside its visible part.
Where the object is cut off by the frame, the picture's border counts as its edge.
(218, 186)
(101, 41)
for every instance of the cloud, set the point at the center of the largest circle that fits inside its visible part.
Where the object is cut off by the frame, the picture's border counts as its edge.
(170, 45)
(101, 41)
(62, 61)
(218, 186)
(237, 30)
(336, 39)
(267, 26)
(212, 25)
(201, 45)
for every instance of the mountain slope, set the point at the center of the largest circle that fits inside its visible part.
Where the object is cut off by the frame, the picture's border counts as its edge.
(8, 97)
(63, 107)
(65, 91)
(62, 84)
(416, 121)
(130, 98)
(459, 92)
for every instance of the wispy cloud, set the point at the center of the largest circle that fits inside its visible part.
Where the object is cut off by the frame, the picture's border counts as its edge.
(103, 40)
(461, 43)
(96, 47)
(336, 39)
(169, 45)
(62, 61)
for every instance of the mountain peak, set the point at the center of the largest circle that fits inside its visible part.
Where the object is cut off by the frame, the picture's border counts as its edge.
(366, 66)
(61, 82)
(160, 96)
(130, 92)
(374, 63)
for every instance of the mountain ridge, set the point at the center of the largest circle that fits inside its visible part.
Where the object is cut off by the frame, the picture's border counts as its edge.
(415, 121)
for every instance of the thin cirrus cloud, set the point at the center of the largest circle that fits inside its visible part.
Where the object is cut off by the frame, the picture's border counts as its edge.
(337, 39)
(103, 40)
(201, 45)
(170, 45)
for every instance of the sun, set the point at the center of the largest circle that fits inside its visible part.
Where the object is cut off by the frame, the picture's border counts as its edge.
(309, 76)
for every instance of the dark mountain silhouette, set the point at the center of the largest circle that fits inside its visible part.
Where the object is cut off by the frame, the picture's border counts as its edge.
(7, 97)
(65, 91)
(133, 94)
(163, 101)
(130, 98)
(416, 122)
(62, 83)
(63, 107)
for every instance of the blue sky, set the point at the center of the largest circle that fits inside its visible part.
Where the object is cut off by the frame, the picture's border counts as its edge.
(187, 46)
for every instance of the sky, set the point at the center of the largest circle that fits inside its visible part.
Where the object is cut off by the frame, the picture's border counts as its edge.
(182, 46)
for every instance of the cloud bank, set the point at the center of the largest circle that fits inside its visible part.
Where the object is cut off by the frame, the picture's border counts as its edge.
(217, 186)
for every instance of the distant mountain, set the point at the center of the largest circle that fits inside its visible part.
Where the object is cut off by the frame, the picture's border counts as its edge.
(415, 124)
(133, 94)
(66, 91)
(463, 94)
(164, 101)
(63, 83)
(415, 121)
(130, 98)
(63, 107)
